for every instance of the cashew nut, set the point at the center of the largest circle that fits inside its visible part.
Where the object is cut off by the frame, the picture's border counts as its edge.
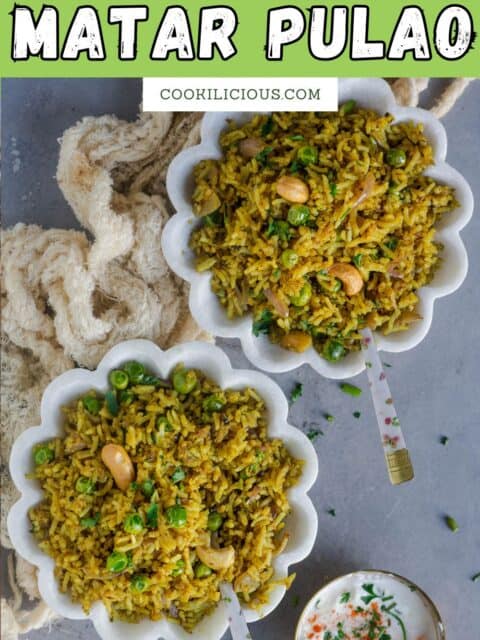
(349, 276)
(293, 189)
(118, 462)
(250, 147)
(296, 341)
(207, 203)
(217, 559)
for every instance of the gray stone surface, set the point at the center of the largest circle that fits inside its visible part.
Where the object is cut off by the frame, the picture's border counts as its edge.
(435, 388)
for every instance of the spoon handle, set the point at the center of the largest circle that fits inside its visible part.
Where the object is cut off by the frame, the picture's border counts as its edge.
(236, 619)
(399, 466)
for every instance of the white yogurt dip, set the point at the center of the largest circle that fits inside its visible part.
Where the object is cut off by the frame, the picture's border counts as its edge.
(370, 605)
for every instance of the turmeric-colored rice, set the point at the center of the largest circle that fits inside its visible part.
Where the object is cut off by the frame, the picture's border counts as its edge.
(370, 207)
(217, 461)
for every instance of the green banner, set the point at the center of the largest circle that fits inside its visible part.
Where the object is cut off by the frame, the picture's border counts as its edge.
(240, 38)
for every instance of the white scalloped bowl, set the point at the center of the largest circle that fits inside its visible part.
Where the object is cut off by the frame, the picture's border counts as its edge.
(301, 523)
(204, 305)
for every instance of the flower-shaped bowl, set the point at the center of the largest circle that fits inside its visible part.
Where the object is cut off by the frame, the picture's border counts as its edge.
(205, 307)
(301, 523)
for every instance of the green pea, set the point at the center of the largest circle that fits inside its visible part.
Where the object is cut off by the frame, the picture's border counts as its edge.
(347, 107)
(139, 583)
(396, 157)
(179, 568)
(214, 521)
(148, 488)
(298, 214)
(135, 371)
(118, 379)
(126, 397)
(184, 380)
(213, 403)
(307, 155)
(92, 404)
(117, 561)
(333, 350)
(43, 454)
(289, 258)
(303, 296)
(202, 571)
(176, 516)
(85, 485)
(133, 523)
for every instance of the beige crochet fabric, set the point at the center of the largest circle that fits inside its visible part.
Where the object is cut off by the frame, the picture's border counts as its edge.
(68, 296)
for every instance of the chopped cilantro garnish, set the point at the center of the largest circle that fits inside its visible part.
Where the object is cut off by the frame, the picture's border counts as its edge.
(356, 414)
(313, 434)
(152, 516)
(262, 323)
(262, 157)
(333, 189)
(178, 475)
(279, 228)
(345, 597)
(267, 126)
(476, 577)
(296, 392)
(295, 166)
(357, 259)
(89, 523)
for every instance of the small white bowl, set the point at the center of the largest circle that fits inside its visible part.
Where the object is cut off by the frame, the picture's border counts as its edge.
(301, 523)
(371, 93)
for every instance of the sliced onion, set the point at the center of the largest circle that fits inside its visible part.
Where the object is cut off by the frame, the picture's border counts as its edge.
(365, 191)
(279, 306)
(394, 273)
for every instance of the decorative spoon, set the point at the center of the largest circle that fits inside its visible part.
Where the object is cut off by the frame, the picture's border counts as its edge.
(399, 466)
(236, 619)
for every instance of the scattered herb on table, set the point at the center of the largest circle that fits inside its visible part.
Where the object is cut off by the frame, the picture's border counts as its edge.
(296, 392)
(386, 364)
(356, 414)
(451, 523)
(295, 601)
(350, 389)
(313, 434)
(332, 512)
(476, 577)
(329, 418)
(444, 440)
(345, 597)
